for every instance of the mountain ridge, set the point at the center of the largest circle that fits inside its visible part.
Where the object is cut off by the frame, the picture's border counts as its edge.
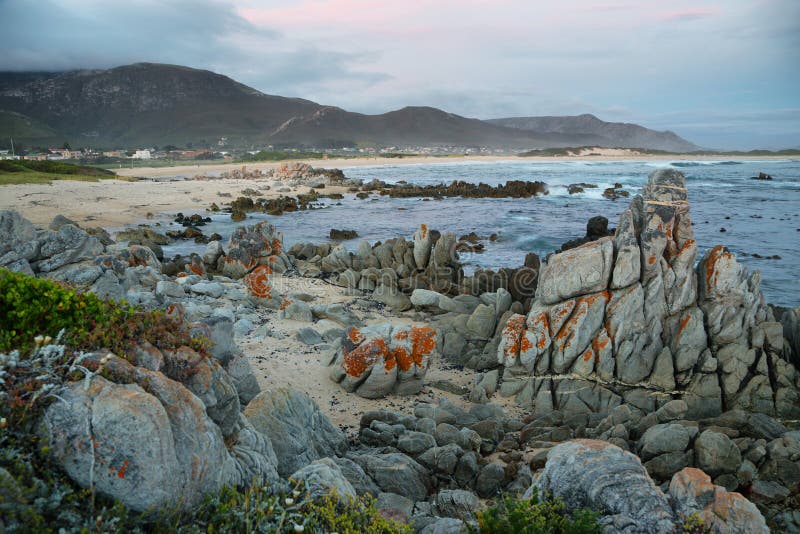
(156, 104)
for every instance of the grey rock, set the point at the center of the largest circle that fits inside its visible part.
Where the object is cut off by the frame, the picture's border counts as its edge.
(309, 336)
(664, 438)
(459, 504)
(414, 443)
(391, 296)
(238, 368)
(395, 506)
(601, 476)
(323, 477)
(490, 480)
(299, 431)
(481, 322)
(396, 473)
(579, 271)
(444, 525)
(716, 454)
(298, 311)
(357, 477)
(209, 289)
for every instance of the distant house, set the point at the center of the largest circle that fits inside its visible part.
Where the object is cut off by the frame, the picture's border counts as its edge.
(59, 153)
(141, 154)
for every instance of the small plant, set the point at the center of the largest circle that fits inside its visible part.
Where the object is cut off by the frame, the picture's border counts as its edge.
(536, 516)
(693, 524)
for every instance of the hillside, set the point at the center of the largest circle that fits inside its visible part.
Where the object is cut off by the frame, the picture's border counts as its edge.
(602, 133)
(154, 104)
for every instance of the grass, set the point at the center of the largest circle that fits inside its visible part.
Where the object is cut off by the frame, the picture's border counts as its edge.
(44, 172)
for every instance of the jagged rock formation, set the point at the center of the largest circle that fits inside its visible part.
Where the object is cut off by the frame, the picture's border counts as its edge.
(627, 319)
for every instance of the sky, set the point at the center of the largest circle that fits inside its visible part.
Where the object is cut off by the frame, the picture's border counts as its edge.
(722, 73)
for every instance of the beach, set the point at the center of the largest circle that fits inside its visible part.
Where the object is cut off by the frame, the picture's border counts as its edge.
(114, 203)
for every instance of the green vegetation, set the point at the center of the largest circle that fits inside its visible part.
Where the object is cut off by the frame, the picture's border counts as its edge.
(32, 308)
(43, 172)
(278, 155)
(536, 516)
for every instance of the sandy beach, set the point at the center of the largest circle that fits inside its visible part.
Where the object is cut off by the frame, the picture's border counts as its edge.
(112, 203)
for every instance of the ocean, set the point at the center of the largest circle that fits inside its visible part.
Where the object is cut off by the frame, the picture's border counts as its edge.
(759, 217)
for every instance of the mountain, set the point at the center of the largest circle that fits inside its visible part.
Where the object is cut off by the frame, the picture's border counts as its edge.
(147, 104)
(602, 133)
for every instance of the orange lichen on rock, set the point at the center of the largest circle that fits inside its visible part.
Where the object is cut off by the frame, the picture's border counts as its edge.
(285, 304)
(651, 260)
(423, 230)
(364, 356)
(512, 336)
(588, 355)
(276, 246)
(714, 256)
(355, 335)
(196, 269)
(257, 282)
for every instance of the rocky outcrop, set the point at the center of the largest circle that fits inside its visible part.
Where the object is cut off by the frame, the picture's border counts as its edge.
(628, 320)
(179, 448)
(597, 475)
(375, 361)
(251, 247)
(601, 476)
(299, 432)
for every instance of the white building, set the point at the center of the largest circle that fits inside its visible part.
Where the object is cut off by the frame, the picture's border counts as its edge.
(141, 154)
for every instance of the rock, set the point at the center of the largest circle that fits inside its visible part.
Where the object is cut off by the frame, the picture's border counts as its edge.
(309, 336)
(672, 410)
(297, 311)
(601, 476)
(414, 443)
(253, 246)
(422, 246)
(394, 506)
(490, 480)
(444, 525)
(391, 296)
(238, 368)
(716, 454)
(212, 385)
(323, 477)
(665, 438)
(481, 322)
(337, 313)
(299, 431)
(692, 492)
(459, 504)
(342, 235)
(582, 270)
(172, 456)
(212, 253)
(396, 473)
(381, 359)
(357, 477)
(209, 289)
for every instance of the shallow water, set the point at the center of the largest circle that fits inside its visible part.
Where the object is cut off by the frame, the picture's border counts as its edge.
(764, 215)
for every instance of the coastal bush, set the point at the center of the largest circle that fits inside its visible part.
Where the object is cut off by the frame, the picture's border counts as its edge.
(31, 307)
(536, 516)
(34, 310)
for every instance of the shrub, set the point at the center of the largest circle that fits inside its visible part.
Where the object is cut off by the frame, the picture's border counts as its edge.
(30, 366)
(536, 516)
(33, 306)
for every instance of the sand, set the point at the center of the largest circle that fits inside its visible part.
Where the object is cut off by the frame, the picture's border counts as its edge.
(280, 360)
(114, 203)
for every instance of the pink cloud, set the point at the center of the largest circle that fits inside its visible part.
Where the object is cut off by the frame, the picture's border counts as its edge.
(686, 14)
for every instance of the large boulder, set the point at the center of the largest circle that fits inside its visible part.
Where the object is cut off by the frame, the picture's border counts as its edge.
(299, 431)
(396, 473)
(692, 492)
(378, 360)
(595, 474)
(251, 246)
(578, 271)
(149, 442)
(323, 477)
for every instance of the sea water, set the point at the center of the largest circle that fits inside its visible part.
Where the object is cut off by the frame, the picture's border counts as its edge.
(759, 217)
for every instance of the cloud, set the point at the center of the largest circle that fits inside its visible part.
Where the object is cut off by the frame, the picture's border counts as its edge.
(622, 60)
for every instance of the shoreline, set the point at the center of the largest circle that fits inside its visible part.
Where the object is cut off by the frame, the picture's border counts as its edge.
(343, 163)
(119, 202)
